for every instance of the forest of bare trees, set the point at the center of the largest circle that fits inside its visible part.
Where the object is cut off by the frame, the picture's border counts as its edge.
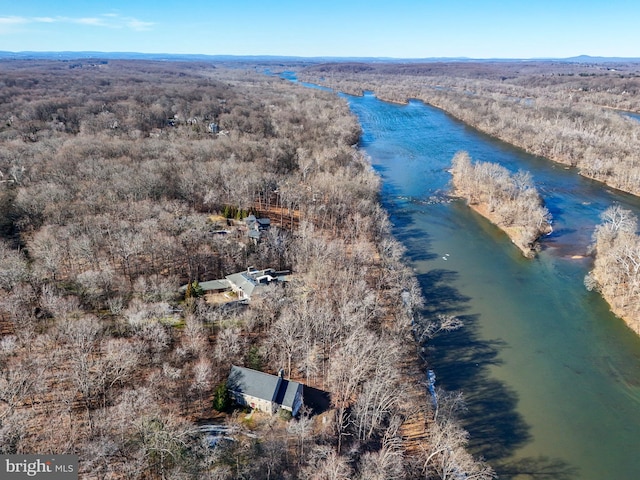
(511, 201)
(616, 272)
(109, 173)
(567, 112)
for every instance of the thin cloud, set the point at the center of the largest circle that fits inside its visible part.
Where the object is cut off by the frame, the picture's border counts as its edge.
(100, 22)
(139, 25)
(13, 20)
(9, 25)
(107, 20)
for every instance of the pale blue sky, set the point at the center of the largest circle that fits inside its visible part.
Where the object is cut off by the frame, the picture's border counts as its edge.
(391, 28)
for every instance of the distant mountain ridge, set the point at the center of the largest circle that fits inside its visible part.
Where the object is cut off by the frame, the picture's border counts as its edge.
(590, 59)
(73, 55)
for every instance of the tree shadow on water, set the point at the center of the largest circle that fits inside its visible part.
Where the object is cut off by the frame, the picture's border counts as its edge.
(537, 468)
(442, 298)
(417, 253)
(462, 360)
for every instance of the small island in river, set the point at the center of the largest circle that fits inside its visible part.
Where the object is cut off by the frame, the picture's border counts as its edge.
(510, 201)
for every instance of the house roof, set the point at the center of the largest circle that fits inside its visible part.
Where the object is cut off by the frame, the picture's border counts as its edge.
(287, 391)
(251, 279)
(260, 223)
(254, 383)
(243, 281)
(262, 385)
(222, 284)
(246, 281)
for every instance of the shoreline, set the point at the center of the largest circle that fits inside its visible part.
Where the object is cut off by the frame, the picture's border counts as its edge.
(517, 206)
(565, 161)
(618, 310)
(482, 210)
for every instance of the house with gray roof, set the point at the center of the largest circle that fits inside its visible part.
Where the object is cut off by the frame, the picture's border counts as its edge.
(254, 223)
(257, 227)
(244, 284)
(221, 285)
(251, 281)
(264, 392)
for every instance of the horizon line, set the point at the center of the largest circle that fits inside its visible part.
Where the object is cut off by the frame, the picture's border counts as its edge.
(84, 53)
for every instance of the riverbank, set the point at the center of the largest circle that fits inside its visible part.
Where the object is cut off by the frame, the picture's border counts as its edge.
(621, 308)
(616, 274)
(563, 118)
(532, 334)
(512, 232)
(510, 201)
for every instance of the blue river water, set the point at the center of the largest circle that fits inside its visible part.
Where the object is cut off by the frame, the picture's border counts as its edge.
(550, 376)
(635, 116)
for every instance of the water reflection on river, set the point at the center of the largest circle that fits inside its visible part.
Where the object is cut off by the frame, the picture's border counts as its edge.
(551, 378)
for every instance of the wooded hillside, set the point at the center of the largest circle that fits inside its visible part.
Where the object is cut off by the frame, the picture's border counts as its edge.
(110, 173)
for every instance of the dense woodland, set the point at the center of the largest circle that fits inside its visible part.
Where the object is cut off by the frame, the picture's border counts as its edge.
(511, 201)
(109, 174)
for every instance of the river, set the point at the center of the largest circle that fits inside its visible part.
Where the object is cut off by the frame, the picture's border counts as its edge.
(635, 116)
(550, 376)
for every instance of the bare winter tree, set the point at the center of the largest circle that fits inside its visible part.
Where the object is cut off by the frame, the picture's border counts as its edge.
(301, 428)
(326, 464)
(377, 401)
(388, 462)
(616, 272)
(17, 382)
(510, 201)
(83, 336)
(286, 338)
(445, 456)
(13, 267)
(202, 378)
(351, 366)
